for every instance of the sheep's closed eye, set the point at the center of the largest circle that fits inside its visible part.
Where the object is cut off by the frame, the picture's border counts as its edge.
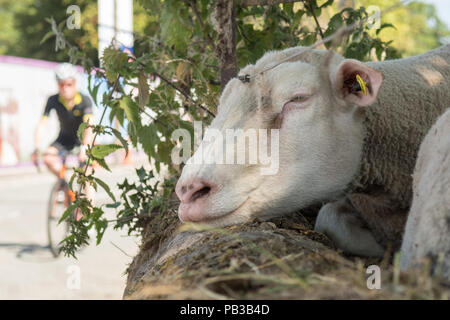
(299, 98)
(296, 100)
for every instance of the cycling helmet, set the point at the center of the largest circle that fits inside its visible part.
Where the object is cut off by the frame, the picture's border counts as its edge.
(65, 71)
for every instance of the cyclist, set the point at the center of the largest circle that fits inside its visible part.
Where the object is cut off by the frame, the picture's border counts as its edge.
(72, 109)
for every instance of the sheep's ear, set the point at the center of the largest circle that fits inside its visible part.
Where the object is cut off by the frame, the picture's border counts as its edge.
(347, 87)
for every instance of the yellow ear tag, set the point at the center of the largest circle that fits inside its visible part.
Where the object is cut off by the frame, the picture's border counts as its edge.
(362, 84)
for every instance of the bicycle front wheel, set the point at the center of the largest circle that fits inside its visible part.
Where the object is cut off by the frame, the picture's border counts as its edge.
(58, 203)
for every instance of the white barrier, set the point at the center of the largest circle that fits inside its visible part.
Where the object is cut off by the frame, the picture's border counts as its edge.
(25, 85)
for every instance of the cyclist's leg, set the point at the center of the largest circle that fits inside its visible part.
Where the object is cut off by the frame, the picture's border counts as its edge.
(52, 160)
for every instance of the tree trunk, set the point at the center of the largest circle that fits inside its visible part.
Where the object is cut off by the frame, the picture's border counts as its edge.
(225, 25)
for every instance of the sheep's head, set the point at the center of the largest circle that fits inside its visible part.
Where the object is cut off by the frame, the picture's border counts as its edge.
(309, 115)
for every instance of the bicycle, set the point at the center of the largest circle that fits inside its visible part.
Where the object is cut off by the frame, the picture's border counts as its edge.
(60, 199)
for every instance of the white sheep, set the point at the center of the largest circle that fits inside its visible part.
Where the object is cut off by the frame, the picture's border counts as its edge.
(415, 92)
(427, 233)
(336, 143)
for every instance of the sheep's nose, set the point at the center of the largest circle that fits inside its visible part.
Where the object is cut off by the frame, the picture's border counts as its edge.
(193, 190)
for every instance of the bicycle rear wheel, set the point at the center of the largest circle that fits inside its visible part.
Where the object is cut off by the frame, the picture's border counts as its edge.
(58, 203)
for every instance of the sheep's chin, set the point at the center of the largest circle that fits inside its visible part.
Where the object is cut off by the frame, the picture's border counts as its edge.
(232, 218)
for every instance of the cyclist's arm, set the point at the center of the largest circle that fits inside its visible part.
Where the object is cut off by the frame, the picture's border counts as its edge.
(42, 124)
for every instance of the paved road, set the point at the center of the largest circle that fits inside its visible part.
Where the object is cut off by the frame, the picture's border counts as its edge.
(27, 269)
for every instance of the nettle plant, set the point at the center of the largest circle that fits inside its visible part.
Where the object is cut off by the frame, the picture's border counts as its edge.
(175, 73)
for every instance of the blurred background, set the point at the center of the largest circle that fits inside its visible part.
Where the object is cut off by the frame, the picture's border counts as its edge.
(27, 65)
(27, 79)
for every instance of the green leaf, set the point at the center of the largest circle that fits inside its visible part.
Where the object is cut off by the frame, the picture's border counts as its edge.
(113, 60)
(61, 24)
(72, 178)
(106, 188)
(122, 140)
(120, 116)
(334, 24)
(385, 25)
(164, 151)
(131, 109)
(327, 3)
(47, 36)
(103, 164)
(116, 112)
(174, 31)
(148, 137)
(66, 213)
(113, 205)
(100, 227)
(93, 92)
(141, 173)
(132, 133)
(101, 151)
(80, 132)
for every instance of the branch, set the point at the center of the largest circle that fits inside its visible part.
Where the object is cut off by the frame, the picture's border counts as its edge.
(308, 5)
(185, 94)
(224, 23)
(171, 84)
(89, 158)
(193, 5)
